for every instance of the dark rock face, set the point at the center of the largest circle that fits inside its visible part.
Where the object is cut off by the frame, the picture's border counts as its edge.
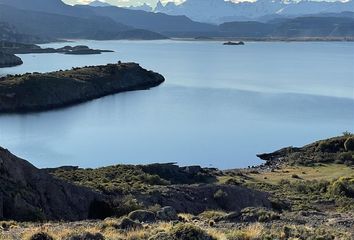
(62, 88)
(27, 193)
(9, 60)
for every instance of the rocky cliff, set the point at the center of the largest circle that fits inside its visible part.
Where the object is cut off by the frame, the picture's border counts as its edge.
(28, 193)
(33, 92)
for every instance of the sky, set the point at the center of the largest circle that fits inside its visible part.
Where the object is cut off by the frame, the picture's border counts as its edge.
(123, 2)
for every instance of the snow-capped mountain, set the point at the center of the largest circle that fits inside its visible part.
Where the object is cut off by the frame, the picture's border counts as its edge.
(98, 3)
(144, 7)
(218, 11)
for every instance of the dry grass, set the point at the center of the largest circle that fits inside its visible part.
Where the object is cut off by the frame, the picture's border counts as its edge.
(326, 172)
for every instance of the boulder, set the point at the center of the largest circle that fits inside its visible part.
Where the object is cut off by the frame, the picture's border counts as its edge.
(142, 216)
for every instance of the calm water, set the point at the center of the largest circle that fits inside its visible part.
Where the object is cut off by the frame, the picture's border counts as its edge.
(220, 105)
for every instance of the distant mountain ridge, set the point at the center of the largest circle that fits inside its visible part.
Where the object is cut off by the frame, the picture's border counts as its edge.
(219, 11)
(50, 18)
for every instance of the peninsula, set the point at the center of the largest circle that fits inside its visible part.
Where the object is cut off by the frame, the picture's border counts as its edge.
(45, 91)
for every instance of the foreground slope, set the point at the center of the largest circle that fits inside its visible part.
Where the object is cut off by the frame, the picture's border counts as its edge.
(312, 199)
(27, 193)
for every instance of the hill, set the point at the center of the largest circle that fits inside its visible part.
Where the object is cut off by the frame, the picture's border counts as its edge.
(55, 25)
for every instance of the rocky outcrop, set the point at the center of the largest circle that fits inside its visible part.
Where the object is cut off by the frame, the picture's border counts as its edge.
(196, 199)
(9, 60)
(324, 151)
(27, 193)
(33, 92)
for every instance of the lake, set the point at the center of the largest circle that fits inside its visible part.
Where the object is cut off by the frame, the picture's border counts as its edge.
(219, 107)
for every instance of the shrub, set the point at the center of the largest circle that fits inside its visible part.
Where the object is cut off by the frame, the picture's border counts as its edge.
(220, 197)
(185, 231)
(126, 205)
(343, 187)
(41, 236)
(252, 214)
(87, 236)
(345, 156)
(252, 232)
(349, 144)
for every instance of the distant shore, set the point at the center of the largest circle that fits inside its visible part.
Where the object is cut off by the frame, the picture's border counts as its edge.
(269, 39)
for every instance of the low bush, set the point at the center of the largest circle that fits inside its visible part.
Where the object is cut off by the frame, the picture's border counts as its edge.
(41, 236)
(185, 231)
(342, 187)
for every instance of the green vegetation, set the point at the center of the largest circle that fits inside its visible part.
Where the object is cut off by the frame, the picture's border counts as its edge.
(119, 179)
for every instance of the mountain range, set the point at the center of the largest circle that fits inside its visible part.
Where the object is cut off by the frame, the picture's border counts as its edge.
(35, 21)
(53, 18)
(220, 11)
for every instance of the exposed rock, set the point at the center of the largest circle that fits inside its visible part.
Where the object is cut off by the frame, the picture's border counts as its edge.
(180, 175)
(9, 60)
(27, 193)
(142, 216)
(195, 199)
(62, 88)
(127, 224)
(167, 214)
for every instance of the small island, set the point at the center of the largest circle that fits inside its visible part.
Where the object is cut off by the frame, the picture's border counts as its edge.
(234, 43)
(44, 91)
(9, 49)
(22, 48)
